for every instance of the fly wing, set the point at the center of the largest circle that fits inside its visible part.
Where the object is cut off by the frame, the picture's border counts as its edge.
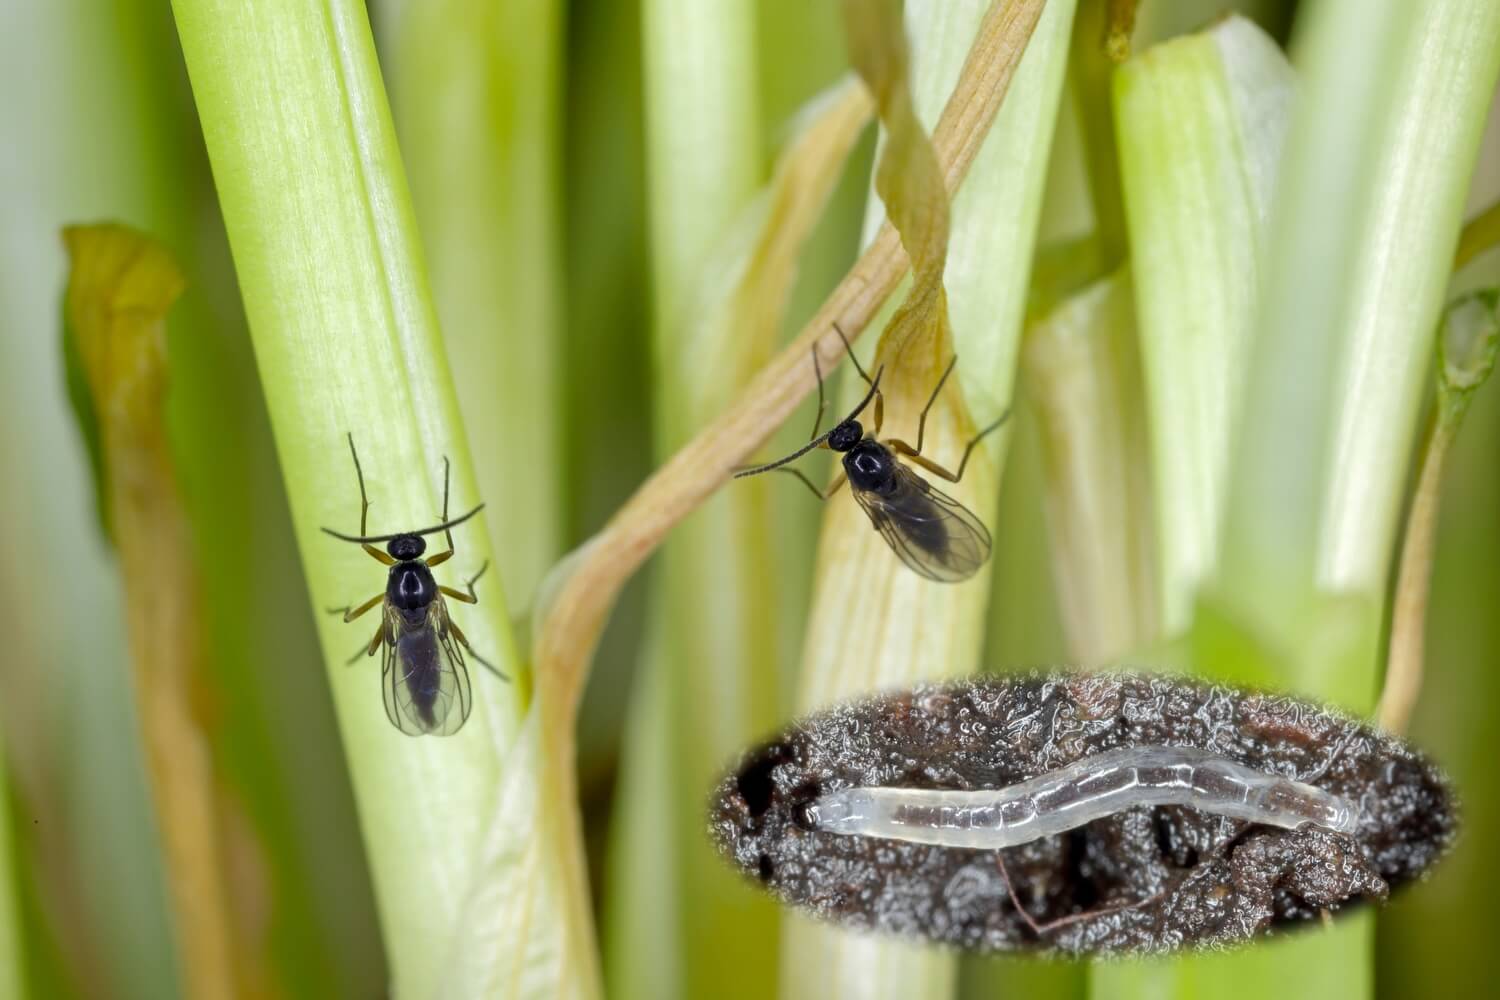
(425, 679)
(935, 535)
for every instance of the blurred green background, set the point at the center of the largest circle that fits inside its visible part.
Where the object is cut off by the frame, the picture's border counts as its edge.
(527, 133)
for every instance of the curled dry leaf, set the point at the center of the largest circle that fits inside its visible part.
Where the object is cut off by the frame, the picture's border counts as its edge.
(580, 603)
(120, 289)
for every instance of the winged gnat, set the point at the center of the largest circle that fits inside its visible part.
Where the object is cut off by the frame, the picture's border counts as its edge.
(1082, 814)
(424, 675)
(425, 680)
(933, 534)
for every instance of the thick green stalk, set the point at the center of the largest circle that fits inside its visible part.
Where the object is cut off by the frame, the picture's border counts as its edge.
(678, 916)
(346, 339)
(1382, 144)
(1083, 380)
(1201, 123)
(703, 145)
(1366, 214)
(475, 96)
(930, 630)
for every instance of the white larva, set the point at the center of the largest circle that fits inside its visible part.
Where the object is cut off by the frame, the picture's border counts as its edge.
(1085, 790)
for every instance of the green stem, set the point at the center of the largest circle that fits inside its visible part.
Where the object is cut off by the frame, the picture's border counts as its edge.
(931, 630)
(475, 95)
(703, 694)
(1391, 102)
(1083, 381)
(345, 334)
(1468, 342)
(1391, 109)
(1202, 121)
(703, 140)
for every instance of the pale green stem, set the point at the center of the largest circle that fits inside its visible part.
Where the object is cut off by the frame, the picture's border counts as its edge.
(346, 338)
(1201, 122)
(1083, 381)
(1367, 210)
(930, 630)
(475, 95)
(1377, 166)
(1468, 341)
(703, 140)
(678, 916)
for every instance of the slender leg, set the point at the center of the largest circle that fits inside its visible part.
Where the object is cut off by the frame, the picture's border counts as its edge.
(470, 597)
(822, 402)
(850, 351)
(350, 615)
(379, 556)
(448, 535)
(364, 507)
(458, 634)
(368, 649)
(837, 485)
(364, 501)
(879, 398)
(922, 420)
(915, 454)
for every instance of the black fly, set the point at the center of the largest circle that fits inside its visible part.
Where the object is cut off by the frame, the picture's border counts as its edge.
(423, 673)
(933, 534)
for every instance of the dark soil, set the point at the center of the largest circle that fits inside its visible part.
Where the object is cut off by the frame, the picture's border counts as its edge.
(1143, 880)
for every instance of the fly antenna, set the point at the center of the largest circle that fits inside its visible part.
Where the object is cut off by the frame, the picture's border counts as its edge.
(850, 351)
(756, 470)
(446, 525)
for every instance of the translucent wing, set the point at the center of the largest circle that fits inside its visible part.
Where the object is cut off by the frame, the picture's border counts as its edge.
(935, 535)
(424, 677)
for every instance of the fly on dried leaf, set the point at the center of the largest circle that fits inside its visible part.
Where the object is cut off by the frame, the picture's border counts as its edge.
(933, 534)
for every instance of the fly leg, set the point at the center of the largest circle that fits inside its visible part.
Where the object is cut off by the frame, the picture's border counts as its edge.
(368, 649)
(443, 557)
(879, 398)
(351, 613)
(922, 420)
(915, 454)
(463, 640)
(470, 597)
(822, 401)
(364, 509)
(838, 483)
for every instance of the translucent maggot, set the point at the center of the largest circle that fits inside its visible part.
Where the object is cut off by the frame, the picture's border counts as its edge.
(1081, 813)
(1083, 791)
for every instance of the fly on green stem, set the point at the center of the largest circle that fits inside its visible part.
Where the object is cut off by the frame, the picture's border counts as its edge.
(423, 673)
(933, 534)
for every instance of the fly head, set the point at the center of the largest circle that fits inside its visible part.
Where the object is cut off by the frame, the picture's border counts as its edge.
(406, 547)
